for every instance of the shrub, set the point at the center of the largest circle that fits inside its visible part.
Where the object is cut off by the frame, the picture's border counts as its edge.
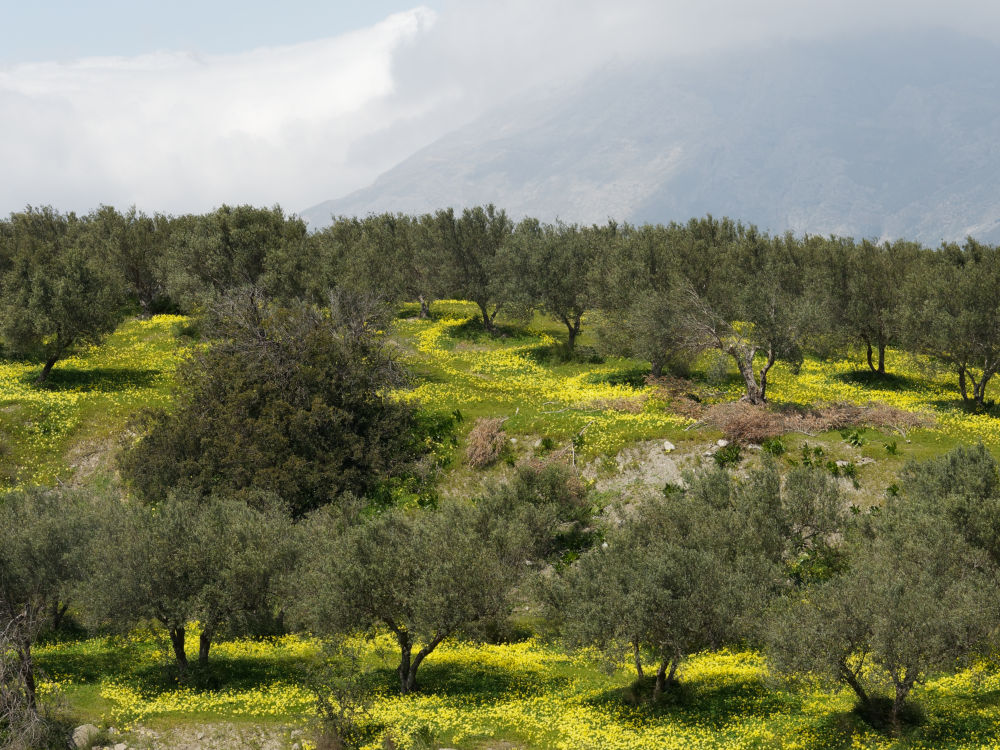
(853, 437)
(729, 454)
(745, 423)
(487, 442)
(289, 401)
(774, 446)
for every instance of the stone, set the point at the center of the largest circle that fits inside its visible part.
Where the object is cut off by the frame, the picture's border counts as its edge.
(842, 463)
(722, 442)
(668, 446)
(121, 746)
(84, 735)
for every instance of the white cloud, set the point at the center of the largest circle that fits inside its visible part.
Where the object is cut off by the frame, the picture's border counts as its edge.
(302, 123)
(179, 132)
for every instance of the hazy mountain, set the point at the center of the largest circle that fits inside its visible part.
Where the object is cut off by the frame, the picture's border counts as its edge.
(883, 136)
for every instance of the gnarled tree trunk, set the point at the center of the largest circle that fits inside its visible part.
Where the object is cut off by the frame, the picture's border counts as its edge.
(663, 677)
(756, 385)
(177, 640)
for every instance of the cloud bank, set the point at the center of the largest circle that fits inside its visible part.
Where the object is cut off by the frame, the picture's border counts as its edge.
(297, 124)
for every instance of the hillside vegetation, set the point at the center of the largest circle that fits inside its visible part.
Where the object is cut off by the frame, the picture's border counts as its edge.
(526, 691)
(441, 481)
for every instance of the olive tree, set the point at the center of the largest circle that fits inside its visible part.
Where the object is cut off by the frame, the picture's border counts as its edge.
(917, 593)
(640, 288)
(874, 294)
(687, 572)
(550, 504)
(759, 313)
(43, 535)
(213, 560)
(552, 268)
(235, 247)
(953, 314)
(57, 291)
(423, 574)
(389, 255)
(468, 247)
(135, 245)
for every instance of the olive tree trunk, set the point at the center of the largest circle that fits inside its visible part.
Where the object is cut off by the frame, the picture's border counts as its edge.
(46, 369)
(756, 384)
(663, 677)
(177, 640)
(409, 662)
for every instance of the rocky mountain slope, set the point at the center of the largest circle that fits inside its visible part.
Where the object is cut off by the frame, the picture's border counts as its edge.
(880, 136)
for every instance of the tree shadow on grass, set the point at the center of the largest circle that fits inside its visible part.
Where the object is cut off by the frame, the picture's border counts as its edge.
(472, 330)
(882, 381)
(559, 353)
(150, 669)
(633, 377)
(473, 681)
(99, 379)
(695, 702)
(989, 409)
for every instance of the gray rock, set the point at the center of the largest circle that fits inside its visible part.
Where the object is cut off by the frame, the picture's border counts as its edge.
(121, 746)
(722, 443)
(668, 446)
(84, 735)
(842, 463)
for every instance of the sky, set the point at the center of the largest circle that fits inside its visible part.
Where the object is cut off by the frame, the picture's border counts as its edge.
(182, 106)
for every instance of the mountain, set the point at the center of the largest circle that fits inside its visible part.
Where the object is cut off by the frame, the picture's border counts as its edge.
(881, 136)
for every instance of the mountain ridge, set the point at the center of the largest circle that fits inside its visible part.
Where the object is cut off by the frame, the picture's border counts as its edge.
(882, 136)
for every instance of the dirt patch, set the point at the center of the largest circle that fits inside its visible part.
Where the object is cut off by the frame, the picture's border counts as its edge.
(91, 457)
(646, 464)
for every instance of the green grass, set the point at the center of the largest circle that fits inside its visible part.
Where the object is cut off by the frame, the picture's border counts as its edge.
(51, 430)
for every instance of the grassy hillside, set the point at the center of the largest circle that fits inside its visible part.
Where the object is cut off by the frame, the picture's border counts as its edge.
(50, 432)
(527, 692)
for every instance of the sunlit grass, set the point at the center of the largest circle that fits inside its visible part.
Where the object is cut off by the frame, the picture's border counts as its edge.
(518, 375)
(526, 691)
(88, 397)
